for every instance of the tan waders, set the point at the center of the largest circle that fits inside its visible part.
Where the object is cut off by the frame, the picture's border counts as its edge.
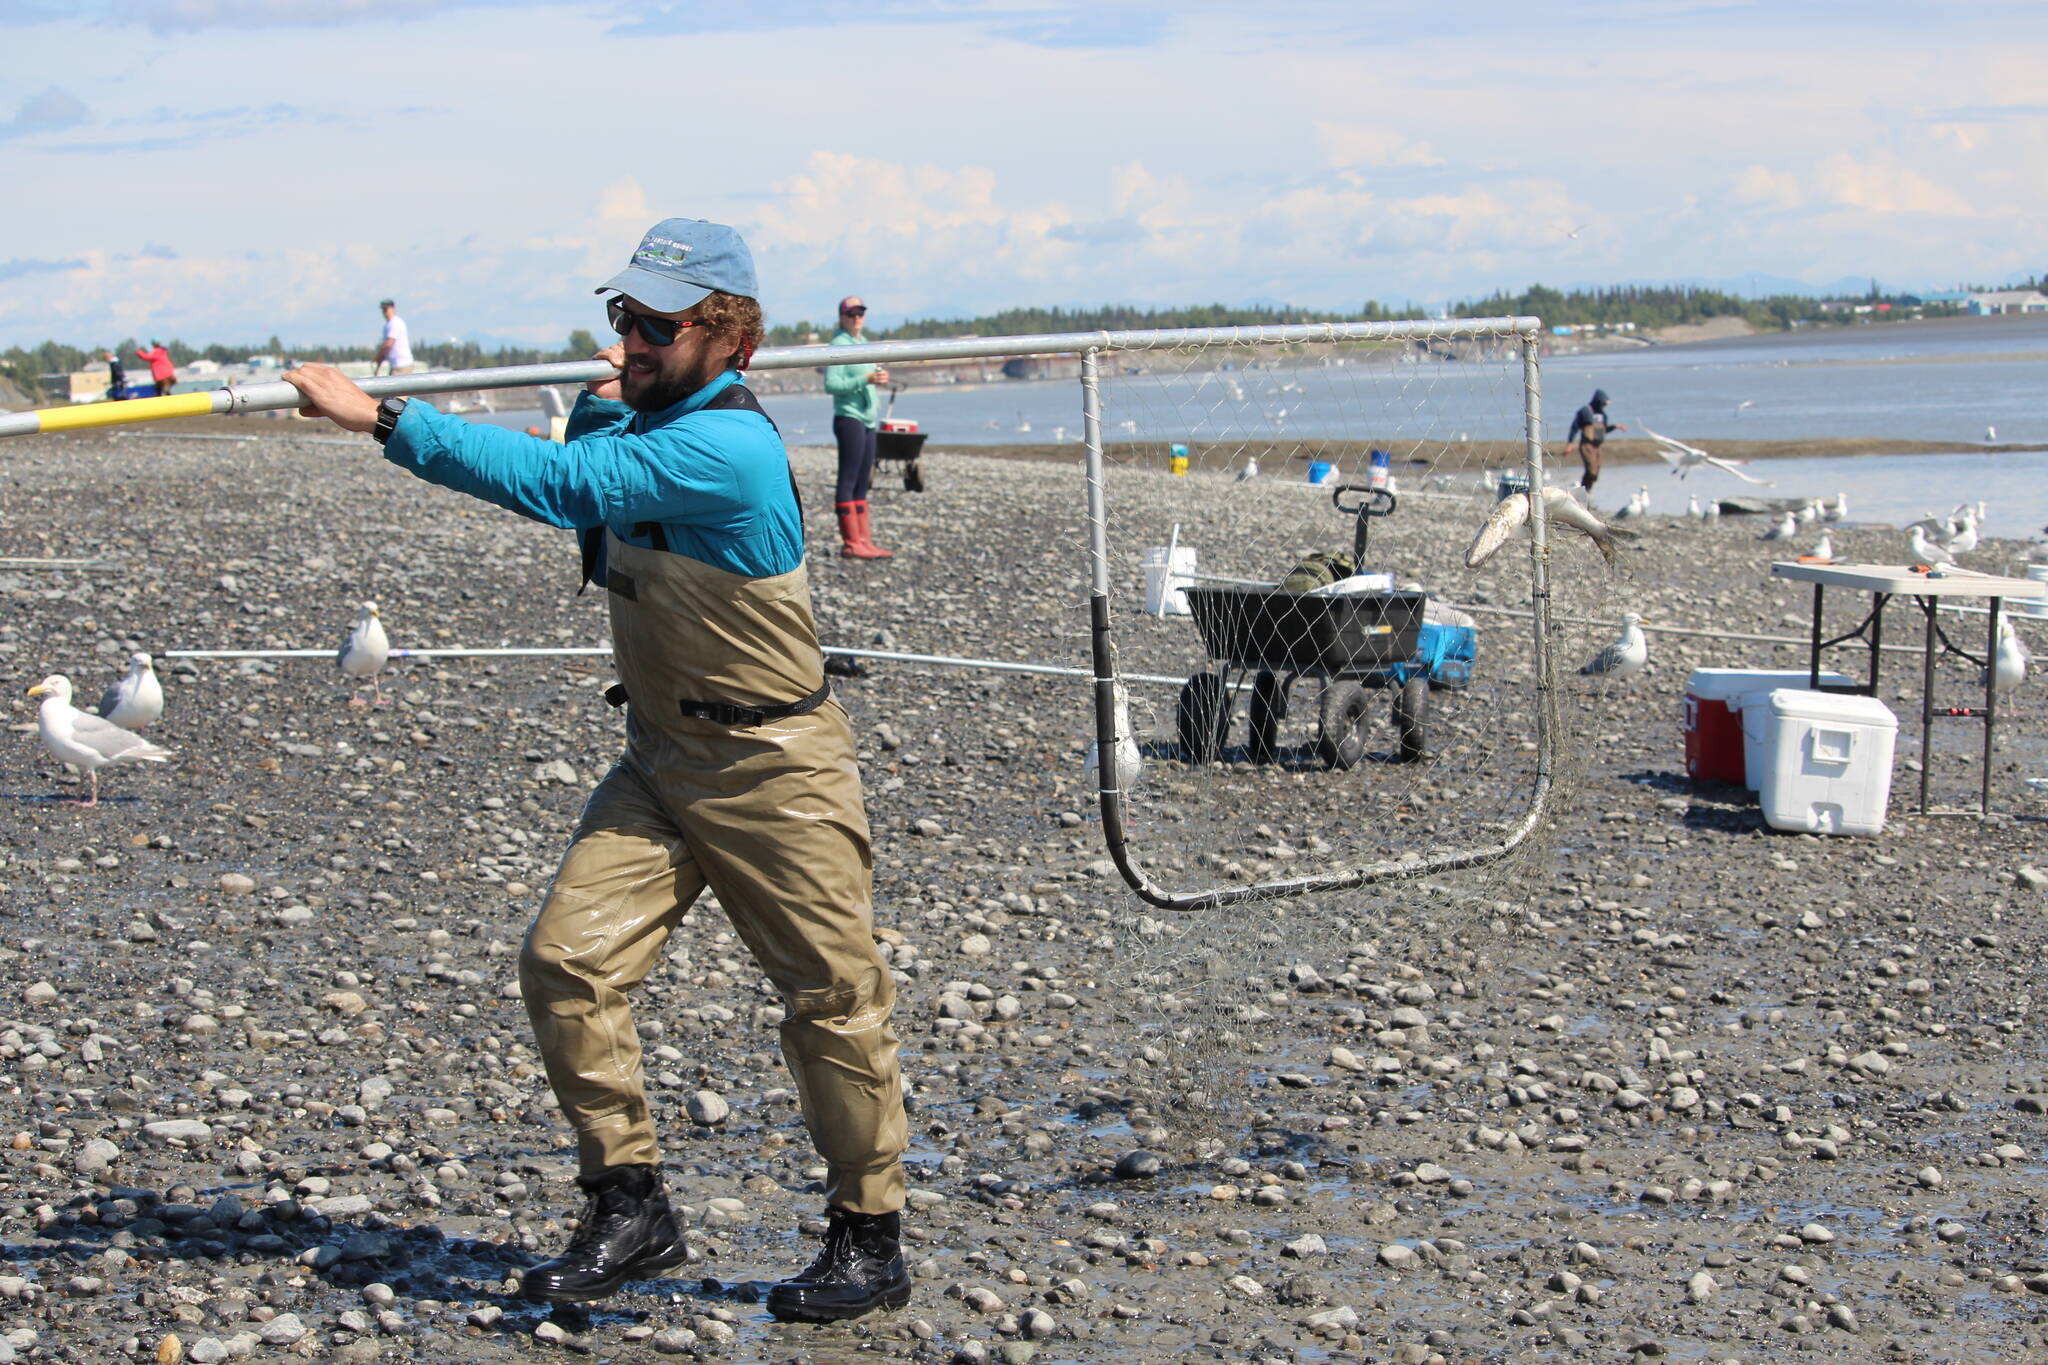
(769, 816)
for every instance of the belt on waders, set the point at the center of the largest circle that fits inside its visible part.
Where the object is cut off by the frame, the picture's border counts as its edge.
(729, 714)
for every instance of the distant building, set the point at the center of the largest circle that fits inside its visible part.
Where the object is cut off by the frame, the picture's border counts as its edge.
(2008, 301)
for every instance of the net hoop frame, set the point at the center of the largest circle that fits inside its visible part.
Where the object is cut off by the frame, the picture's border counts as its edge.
(1526, 332)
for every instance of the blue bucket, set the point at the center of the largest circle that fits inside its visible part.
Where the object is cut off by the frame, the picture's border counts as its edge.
(1319, 471)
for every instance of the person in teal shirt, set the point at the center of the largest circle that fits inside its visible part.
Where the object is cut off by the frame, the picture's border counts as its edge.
(854, 419)
(739, 774)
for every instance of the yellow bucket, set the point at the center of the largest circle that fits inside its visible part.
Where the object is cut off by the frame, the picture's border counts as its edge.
(1177, 464)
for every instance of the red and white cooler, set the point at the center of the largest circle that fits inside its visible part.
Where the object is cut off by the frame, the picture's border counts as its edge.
(1713, 721)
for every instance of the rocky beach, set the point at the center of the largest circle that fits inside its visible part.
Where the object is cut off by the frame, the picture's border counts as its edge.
(1671, 1087)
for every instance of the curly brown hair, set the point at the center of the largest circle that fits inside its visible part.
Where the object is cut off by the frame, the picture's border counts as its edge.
(736, 320)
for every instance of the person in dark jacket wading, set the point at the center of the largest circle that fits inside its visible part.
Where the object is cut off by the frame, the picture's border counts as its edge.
(738, 773)
(1590, 428)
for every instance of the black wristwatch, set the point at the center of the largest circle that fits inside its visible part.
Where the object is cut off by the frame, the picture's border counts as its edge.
(387, 418)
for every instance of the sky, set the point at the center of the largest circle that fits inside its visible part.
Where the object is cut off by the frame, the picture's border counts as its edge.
(229, 170)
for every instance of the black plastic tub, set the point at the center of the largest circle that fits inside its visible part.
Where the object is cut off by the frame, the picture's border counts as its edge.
(1302, 633)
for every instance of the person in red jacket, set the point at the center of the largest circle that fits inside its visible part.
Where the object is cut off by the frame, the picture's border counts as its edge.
(160, 367)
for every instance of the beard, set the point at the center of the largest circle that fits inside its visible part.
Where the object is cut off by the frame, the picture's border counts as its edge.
(659, 389)
(655, 391)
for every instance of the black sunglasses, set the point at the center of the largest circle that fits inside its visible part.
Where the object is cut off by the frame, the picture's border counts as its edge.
(653, 330)
(853, 312)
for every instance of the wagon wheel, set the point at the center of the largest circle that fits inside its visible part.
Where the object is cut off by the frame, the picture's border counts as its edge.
(1268, 708)
(1202, 717)
(913, 476)
(1411, 716)
(1341, 740)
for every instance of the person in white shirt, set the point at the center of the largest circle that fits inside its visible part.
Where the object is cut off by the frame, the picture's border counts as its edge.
(395, 349)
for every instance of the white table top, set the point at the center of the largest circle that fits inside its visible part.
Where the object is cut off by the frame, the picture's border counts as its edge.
(1902, 581)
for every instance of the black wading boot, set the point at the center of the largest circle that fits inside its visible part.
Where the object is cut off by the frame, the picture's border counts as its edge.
(627, 1233)
(860, 1269)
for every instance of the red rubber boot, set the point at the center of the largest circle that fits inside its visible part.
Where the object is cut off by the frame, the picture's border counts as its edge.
(852, 543)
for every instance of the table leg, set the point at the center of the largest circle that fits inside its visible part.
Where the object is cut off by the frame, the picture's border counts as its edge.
(1927, 704)
(1878, 601)
(1990, 705)
(1813, 655)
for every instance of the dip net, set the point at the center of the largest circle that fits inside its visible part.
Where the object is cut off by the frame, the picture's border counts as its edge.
(1342, 744)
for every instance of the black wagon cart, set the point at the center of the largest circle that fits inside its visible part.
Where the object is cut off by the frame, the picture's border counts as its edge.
(1354, 643)
(898, 439)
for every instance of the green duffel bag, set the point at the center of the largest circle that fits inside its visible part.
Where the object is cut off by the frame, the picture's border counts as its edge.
(1318, 570)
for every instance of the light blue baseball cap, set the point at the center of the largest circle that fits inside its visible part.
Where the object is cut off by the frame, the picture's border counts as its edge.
(681, 261)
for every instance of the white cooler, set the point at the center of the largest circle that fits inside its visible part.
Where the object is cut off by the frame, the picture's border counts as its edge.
(1826, 763)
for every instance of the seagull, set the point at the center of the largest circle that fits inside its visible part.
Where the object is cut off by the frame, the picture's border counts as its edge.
(1130, 764)
(1745, 403)
(1250, 470)
(1965, 539)
(364, 654)
(137, 699)
(1625, 657)
(1809, 511)
(1692, 507)
(1787, 527)
(1638, 504)
(1684, 458)
(1824, 549)
(1925, 551)
(2009, 663)
(85, 741)
(1836, 510)
(1713, 509)
(1991, 433)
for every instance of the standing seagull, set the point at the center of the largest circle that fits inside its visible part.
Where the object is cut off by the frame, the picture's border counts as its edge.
(1625, 657)
(365, 653)
(1824, 549)
(1836, 510)
(2010, 662)
(1965, 539)
(1250, 470)
(85, 741)
(137, 699)
(1787, 527)
(1925, 551)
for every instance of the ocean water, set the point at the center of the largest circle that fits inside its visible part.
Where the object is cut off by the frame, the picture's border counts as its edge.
(1953, 381)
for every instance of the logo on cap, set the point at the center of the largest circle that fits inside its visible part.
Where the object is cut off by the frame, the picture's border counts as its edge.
(662, 251)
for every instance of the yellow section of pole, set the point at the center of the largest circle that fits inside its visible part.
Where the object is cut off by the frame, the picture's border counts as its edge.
(114, 414)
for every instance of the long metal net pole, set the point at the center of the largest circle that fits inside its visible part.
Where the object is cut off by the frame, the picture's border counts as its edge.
(278, 395)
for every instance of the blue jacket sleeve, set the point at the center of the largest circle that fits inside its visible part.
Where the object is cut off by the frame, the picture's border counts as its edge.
(606, 476)
(592, 416)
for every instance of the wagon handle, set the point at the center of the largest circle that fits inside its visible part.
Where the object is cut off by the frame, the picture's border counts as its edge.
(1377, 502)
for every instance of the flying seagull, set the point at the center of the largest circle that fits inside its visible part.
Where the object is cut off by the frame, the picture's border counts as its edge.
(1684, 458)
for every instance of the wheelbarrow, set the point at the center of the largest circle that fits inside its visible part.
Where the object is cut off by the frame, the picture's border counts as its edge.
(899, 439)
(1351, 643)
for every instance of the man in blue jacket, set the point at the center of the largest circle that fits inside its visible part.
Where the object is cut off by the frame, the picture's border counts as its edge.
(738, 774)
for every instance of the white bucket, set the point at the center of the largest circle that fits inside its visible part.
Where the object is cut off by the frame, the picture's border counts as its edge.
(2031, 606)
(1164, 582)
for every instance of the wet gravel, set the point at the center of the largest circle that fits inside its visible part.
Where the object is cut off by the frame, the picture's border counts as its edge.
(1685, 1090)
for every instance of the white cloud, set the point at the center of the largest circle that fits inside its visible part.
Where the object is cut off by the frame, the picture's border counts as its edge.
(1880, 185)
(1350, 145)
(1767, 188)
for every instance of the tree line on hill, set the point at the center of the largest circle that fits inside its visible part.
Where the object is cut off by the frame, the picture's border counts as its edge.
(1647, 306)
